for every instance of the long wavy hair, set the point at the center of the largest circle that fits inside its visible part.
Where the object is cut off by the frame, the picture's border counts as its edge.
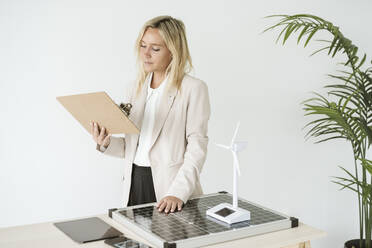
(173, 33)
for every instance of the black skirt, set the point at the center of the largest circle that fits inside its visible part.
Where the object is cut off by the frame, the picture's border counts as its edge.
(142, 186)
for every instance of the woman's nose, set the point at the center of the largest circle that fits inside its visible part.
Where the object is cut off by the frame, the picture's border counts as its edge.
(147, 52)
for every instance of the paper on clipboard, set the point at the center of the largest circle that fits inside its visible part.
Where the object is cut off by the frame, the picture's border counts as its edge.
(100, 108)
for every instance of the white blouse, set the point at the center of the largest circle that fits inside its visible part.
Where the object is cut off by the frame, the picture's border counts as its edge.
(152, 102)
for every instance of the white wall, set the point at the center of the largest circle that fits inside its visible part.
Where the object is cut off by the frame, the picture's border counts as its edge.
(49, 169)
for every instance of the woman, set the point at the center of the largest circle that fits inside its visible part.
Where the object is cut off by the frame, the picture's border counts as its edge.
(172, 108)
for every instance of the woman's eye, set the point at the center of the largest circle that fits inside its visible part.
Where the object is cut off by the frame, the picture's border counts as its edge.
(143, 46)
(156, 49)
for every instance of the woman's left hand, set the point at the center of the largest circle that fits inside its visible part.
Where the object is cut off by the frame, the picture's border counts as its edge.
(169, 203)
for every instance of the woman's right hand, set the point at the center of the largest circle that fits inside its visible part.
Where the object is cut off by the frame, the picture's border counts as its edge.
(99, 135)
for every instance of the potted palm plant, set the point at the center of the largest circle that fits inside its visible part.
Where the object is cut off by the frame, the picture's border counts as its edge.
(344, 113)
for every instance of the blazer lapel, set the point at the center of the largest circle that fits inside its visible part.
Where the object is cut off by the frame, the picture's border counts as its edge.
(162, 111)
(136, 115)
(139, 107)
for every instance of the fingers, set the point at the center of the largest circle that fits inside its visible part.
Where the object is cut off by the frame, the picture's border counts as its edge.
(159, 203)
(168, 207)
(173, 207)
(179, 205)
(95, 132)
(169, 204)
(101, 135)
(162, 206)
(106, 141)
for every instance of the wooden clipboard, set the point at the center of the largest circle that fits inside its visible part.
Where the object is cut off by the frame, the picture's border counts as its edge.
(100, 108)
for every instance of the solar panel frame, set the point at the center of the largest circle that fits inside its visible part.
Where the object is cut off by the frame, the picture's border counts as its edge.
(206, 239)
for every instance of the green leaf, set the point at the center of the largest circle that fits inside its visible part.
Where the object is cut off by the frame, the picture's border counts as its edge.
(362, 61)
(367, 164)
(310, 36)
(335, 39)
(331, 138)
(290, 29)
(346, 186)
(339, 44)
(281, 33)
(303, 32)
(317, 51)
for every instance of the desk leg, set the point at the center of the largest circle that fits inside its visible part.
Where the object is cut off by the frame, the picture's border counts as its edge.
(300, 245)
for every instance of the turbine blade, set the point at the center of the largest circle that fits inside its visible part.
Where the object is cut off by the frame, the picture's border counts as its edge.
(223, 146)
(236, 131)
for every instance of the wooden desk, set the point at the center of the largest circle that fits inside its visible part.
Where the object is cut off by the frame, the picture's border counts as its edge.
(46, 235)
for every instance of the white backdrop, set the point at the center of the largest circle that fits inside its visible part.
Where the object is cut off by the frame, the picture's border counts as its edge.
(49, 168)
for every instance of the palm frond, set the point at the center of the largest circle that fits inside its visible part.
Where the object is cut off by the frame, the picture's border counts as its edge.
(310, 25)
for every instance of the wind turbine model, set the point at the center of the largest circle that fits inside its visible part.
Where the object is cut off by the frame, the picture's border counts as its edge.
(226, 212)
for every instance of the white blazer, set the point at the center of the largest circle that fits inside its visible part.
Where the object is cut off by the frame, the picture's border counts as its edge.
(178, 145)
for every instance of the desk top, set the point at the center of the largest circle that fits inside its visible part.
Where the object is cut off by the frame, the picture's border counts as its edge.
(47, 235)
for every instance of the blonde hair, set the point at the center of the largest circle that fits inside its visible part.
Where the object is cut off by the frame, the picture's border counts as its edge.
(173, 33)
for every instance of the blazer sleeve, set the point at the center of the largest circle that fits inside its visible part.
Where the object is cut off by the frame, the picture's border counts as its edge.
(116, 148)
(198, 114)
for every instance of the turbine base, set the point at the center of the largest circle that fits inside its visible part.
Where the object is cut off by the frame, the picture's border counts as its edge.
(227, 213)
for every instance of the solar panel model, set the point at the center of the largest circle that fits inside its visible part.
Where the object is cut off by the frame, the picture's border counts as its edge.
(191, 227)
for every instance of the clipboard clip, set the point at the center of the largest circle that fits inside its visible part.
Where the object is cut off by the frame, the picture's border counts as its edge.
(125, 107)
